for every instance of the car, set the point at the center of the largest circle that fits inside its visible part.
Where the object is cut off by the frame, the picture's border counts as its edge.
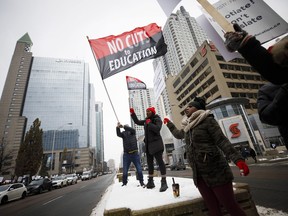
(178, 166)
(72, 179)
(37, 186)
(11, 192)
(59, 181)
(86, 175)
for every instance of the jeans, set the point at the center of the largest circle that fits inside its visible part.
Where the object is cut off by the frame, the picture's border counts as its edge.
(135, 159)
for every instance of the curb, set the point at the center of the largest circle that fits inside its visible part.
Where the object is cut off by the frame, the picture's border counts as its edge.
(190, 207)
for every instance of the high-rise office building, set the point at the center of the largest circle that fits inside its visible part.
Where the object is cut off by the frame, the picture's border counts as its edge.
(183, 36)
(58, 94)
(99, 135)
(12, 122)
(57, 91)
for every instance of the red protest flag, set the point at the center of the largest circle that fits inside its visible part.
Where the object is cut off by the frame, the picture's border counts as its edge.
(118, 53)
(134, 83)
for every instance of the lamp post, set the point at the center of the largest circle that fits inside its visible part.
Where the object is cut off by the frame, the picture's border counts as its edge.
(53, 144)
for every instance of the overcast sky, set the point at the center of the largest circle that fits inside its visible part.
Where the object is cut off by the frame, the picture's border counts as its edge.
(58, 29)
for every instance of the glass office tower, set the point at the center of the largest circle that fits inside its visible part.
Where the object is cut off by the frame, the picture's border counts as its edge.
(58, 94)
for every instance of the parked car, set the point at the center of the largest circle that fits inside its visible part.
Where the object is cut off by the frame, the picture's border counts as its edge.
(37, 186)
(59, 182)
(11, 192)
(178, 166)
(86, 175)
(72, 179)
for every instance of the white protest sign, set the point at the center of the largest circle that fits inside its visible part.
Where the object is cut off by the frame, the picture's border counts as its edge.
(253, 16)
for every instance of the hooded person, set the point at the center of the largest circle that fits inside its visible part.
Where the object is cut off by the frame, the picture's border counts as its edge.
(130, 152)
(205, 145)
(154, 145)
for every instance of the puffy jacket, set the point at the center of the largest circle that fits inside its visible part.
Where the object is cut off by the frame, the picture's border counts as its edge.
(263, 62)
(129, 138)
(205, 145)
(153, 140)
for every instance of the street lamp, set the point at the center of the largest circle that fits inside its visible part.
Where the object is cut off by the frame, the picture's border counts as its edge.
(53, 143)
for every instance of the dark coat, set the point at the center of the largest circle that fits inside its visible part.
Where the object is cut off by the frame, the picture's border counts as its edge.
(205, 145)
(272, 105)
(129, 138)
(263, 62)
(153, 140)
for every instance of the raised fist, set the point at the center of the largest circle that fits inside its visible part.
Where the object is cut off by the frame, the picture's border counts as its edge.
(237, 39)
(166, 120)
(132, 110)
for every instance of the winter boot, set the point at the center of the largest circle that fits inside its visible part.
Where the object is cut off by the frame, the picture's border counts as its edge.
(142, 184)
(163, 185)
(150, 183)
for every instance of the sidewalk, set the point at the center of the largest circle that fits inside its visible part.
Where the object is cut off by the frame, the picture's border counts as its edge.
(268, 159)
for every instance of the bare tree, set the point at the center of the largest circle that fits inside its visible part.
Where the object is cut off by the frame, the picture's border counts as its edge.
(5, 156)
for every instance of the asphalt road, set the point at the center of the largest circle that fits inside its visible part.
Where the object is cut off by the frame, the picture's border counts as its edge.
(74, 200)
(268, 183)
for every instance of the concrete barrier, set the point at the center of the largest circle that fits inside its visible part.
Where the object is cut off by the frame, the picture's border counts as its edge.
(193, 207)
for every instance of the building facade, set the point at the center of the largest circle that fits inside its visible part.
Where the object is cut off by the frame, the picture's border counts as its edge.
(57, 91)
(12, 121)
(99, 135)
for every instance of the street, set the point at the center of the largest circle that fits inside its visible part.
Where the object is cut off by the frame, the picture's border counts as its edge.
(78, 199)
(267, 182)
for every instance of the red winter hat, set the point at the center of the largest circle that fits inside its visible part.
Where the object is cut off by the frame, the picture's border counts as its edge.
(152, 109)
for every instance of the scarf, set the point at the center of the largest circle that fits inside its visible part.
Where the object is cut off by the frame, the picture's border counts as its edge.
(195, 119)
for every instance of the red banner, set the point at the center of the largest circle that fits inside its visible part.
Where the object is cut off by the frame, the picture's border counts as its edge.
(134, 83)
(117, 53)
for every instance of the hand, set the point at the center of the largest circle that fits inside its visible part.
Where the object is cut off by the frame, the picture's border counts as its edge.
(147, 121)
(244, 169)
(132, 111)
(119, 125)
(237, 39)
(166, 120)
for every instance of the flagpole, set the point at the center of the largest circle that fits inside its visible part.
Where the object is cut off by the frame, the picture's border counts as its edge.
(103, 81)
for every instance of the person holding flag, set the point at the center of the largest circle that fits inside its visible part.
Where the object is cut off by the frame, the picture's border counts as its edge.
(154, 145)
(130, 153)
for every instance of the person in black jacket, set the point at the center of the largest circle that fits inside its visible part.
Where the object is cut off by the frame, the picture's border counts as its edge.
(272, 64)
(272, 106)
(153, 145)
(130, 153)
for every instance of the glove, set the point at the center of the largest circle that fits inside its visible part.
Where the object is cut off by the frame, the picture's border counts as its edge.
(147, 121)
(244, 169)
(166, 120)
(132, 111)
(236, 40)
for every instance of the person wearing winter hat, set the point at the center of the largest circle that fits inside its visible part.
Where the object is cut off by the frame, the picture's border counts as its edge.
(154, 145)
(272, 64)
(130, 153)
(205, 145)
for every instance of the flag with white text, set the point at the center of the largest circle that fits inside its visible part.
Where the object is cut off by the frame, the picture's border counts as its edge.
(134, 83)
(118, 53)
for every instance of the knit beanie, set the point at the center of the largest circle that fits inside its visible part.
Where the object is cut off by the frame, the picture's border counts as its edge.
(152, 109)
(198, 103)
